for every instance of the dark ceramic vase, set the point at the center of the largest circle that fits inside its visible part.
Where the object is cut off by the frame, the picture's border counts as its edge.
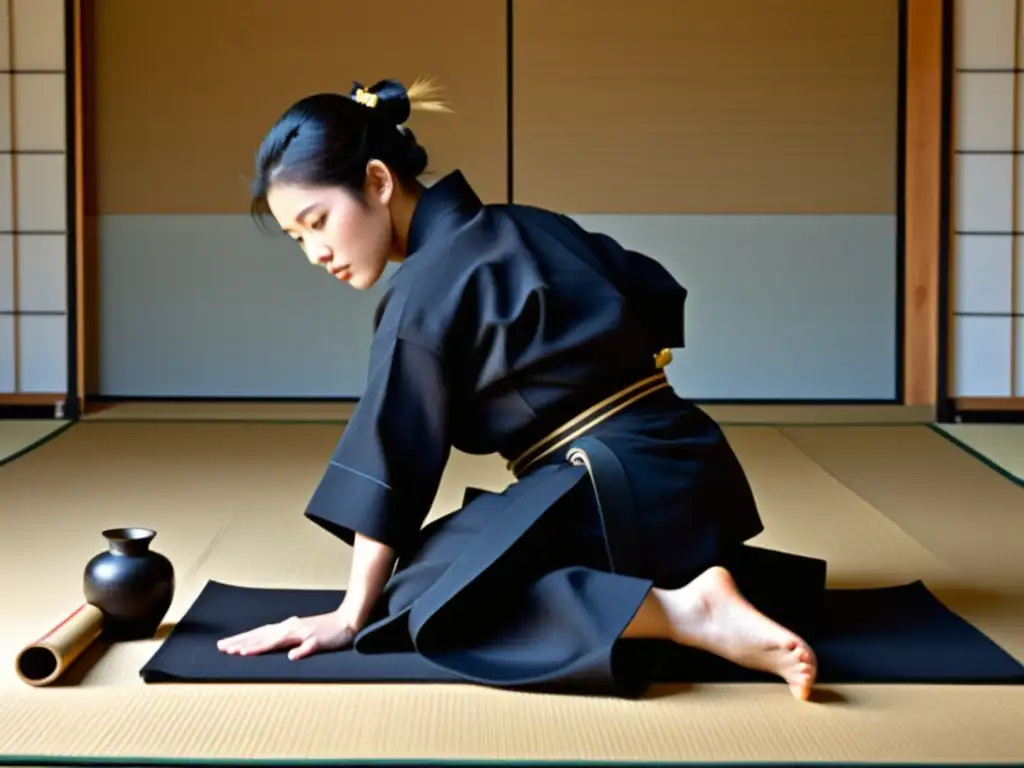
(130, 583)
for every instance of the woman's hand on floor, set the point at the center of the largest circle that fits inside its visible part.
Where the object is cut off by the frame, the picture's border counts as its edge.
(304, 635)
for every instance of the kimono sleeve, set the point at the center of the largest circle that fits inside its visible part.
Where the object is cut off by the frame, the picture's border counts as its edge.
(385, 471)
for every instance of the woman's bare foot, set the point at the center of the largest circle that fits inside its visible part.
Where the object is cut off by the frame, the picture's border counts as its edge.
(709, 613)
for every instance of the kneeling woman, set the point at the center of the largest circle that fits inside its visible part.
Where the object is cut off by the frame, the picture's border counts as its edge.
(511, 330)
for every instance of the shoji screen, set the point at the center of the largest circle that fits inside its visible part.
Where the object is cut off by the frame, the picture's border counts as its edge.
(987, 260)
(33, 202)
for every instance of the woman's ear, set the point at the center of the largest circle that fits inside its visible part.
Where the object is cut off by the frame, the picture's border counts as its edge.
(380, 182)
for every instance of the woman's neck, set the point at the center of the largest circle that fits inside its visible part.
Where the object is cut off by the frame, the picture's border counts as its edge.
(403, 207)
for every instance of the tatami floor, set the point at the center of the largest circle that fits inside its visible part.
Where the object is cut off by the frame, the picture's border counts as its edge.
(1002, 445)
(19, 435)
(884, 500)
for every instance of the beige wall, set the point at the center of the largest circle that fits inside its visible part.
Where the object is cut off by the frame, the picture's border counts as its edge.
(185, 90)
(687, 106)
(648, 120)
(795, 115)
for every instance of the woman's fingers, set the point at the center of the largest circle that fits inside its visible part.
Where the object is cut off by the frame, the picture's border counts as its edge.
(303, 637)
(269, 639)
(228, 642)
(237, 642)
(263, 639)
(307, 647)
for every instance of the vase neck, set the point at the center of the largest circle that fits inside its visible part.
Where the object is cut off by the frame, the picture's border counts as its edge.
(130, 548)
(130, 542)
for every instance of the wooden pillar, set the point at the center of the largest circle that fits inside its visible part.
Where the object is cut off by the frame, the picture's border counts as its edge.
(923, 192)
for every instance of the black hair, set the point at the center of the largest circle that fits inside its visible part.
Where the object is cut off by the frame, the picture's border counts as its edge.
(327, 139)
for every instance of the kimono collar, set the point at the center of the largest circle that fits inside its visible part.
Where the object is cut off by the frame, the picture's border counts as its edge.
(440, 207)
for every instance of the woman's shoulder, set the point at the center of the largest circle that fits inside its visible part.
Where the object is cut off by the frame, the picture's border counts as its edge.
(458, 278)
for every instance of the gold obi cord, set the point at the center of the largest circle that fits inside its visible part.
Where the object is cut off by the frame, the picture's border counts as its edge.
(590, 418)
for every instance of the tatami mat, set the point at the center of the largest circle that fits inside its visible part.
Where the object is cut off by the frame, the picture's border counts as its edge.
(1002, 445)
(959, 509)
(221, 411)
(885, 505)
(340, 411)
(17, 435)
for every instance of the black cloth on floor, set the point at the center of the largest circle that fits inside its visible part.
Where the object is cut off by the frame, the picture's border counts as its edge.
(899, 634)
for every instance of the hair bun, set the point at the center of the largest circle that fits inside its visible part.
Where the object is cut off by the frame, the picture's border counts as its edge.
(389, 96)
(396, 101)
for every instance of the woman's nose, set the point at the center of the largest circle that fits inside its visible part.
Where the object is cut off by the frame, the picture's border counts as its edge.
(318, 254)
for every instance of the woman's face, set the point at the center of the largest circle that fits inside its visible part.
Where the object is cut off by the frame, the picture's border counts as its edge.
(352, 239)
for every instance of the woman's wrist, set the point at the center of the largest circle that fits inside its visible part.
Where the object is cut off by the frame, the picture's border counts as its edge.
(353, 613)
(371, 565)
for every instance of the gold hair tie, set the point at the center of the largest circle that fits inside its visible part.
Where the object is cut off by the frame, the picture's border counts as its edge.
(663, 358)
(366, 98)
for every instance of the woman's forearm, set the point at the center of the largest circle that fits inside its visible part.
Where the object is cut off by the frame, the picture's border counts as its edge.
(371, 566)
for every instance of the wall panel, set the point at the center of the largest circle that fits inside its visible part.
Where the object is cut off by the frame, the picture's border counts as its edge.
(687, 106)
(193, 299)
(988, 204)
(763, 328)
(179, 114)
(757, 158)
(8, 367)
(7, 299)
(8, 267)
(7, 187)
(180, 317)
(753, 149)
(33, 201)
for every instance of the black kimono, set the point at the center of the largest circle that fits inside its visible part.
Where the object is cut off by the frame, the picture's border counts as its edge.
(504, 323)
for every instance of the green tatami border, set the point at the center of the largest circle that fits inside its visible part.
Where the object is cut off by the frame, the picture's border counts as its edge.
(37, 443)
(156, 762)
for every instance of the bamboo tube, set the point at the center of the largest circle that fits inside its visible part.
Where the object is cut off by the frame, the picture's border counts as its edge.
(44, 661)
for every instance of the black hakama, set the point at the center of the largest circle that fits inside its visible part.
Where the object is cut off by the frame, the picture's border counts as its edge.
(504, 323)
